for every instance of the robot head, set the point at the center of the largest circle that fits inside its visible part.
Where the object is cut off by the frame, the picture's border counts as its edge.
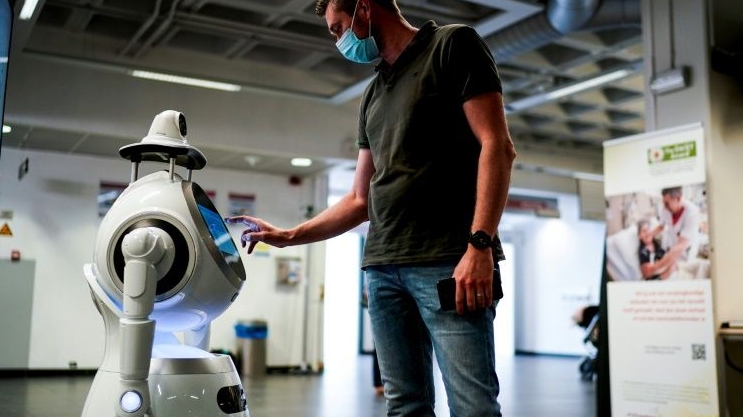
(203, 272)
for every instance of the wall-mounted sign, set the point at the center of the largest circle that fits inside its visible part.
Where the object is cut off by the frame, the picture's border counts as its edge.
(241, 204)
(288, 270)
(540, 206)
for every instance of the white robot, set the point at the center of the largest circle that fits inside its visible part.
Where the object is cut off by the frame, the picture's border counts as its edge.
(165, 267)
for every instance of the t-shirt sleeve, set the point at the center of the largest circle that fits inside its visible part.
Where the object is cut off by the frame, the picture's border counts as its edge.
(470, 64)
(362, 140)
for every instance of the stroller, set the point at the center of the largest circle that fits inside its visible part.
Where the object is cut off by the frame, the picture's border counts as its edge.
(588, 319)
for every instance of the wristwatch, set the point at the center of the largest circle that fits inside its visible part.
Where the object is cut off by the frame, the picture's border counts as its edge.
(480, 239)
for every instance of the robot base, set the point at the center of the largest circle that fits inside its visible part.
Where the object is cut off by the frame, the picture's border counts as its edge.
(199, 387)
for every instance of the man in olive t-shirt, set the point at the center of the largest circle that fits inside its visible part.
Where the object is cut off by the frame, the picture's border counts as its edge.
(432, 178)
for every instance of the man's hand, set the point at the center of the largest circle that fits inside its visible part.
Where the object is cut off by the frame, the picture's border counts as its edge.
(258, 230)
(474, 275)
(658, 229)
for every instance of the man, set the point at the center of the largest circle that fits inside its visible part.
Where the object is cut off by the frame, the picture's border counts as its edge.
(679, 228)
(432, 178)
(679, 223)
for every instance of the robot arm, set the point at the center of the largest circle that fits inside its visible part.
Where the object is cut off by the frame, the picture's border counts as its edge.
(146, 252)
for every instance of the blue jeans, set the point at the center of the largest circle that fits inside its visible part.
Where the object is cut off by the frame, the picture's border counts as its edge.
(408, 325)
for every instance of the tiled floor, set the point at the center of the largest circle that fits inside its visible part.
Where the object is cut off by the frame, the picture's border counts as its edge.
(531, 386)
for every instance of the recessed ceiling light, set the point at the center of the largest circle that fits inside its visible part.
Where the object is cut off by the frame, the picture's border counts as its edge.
(301, 162)
(574, 88)
(6, 129)
(177, 79)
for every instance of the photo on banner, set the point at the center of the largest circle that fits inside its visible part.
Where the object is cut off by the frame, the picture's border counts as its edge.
(658, 234)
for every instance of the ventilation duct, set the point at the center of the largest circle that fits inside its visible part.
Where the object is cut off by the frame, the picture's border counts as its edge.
(560, 18)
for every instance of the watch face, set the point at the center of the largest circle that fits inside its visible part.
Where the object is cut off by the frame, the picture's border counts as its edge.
(480, 240)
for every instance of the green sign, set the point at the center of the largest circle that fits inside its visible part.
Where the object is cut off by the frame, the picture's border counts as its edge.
(675, 152)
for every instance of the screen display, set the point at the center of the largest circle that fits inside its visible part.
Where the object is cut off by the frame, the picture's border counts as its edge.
(219, 233)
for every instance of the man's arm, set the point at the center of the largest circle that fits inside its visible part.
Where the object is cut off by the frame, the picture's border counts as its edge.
(487, 119)
(347, 213)
(662, 265)
(688, 235)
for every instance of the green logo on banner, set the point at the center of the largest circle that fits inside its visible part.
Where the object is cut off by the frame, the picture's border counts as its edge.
(675, 152)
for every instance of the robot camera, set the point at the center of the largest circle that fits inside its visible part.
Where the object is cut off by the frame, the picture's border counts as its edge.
(170, 124)
(182, 124)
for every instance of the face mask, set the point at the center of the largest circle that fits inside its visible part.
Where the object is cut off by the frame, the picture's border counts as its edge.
(358, 50)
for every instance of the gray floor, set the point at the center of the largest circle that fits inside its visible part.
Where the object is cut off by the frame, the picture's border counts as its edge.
(531, 386)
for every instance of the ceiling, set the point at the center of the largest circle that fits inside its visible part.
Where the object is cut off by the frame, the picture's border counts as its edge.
(280, 48)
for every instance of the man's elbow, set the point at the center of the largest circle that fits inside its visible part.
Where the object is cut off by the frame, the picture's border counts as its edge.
(509, 152)
(361, 208)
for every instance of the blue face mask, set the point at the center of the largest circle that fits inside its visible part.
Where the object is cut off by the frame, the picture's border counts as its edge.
(358, 50)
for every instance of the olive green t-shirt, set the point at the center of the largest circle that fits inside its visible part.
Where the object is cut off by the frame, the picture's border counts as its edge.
(422, 194)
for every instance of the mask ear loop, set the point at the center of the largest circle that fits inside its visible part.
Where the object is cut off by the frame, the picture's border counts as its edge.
(355, 9)
(370, 34)
(354, 13)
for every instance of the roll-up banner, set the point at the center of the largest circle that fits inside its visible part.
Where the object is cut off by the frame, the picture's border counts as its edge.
(661, 330)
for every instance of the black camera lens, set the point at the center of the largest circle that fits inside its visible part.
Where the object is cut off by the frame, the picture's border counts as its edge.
(182, 124)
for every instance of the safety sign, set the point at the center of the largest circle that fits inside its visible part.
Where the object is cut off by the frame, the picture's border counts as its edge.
(5, 230)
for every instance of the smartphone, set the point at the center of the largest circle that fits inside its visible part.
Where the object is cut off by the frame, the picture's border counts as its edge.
(447, 289)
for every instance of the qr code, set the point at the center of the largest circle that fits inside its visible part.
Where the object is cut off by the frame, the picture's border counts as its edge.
(698, 352)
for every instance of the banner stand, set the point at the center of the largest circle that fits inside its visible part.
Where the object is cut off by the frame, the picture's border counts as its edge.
(603, 388)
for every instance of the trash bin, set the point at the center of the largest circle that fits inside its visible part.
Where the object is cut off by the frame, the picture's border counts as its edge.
(252, 335)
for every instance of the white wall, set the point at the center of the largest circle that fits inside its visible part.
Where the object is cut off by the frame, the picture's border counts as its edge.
(55, 222)
(342, 300)
(558, 269)
(505, 319)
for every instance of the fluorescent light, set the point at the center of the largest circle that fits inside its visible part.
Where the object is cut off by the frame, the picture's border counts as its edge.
(587, 84)
(584, 85)
(177, 79)
(301, 162)
(6, 129)
(29, 6)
